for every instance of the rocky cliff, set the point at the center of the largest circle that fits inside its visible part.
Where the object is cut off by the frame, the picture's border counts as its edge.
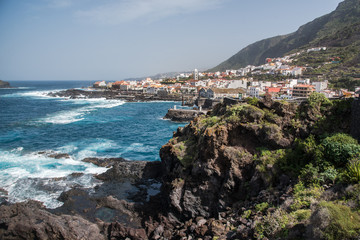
(239, 160)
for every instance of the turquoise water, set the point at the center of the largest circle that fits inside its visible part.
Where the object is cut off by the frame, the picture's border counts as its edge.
(34, 125)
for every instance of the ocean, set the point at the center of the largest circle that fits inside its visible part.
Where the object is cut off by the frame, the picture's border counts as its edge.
(34, 126)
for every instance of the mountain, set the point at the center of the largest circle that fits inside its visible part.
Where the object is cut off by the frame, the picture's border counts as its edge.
(339, 28)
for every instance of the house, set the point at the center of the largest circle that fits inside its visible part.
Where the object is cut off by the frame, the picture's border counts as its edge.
(237, 84)
(124, 87)
(254, 91)
(292, 82)
(117, 84)
(304, 81)
(328, 93)
(296, 71)
(320, 86)
(100, 84)
(303, 90)
(151, 90)
(273, 91)
(206, 93)
(264, 84)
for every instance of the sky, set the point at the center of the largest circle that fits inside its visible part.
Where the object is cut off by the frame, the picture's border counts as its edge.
(119, 39)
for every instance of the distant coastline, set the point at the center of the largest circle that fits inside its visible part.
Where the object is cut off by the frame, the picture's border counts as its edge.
(129, 96)
(4, 84)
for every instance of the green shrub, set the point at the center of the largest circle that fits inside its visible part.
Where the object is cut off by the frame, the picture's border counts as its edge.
(210, 121)
(301, 214)
(186, 151)
(244, 113)
(252, 101)
(310, 174)
(261, 206)
(246, 214)
(304, 152)
(303, 196)
(319, 102)
(340, 148)
(344, 223)
(273, 225)
(329, 175)
(271, 116)
(268, 157)
(235, 110)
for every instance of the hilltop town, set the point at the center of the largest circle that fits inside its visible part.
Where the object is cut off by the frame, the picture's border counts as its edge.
(278, 77)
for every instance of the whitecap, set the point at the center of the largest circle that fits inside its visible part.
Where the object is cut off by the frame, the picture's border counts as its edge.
(90, 148)
(139, 147)
(17, 150)
(78, 114)
(31, 176)
(39, 94)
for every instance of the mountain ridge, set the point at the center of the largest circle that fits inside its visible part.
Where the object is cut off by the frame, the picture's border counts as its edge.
(309, 35)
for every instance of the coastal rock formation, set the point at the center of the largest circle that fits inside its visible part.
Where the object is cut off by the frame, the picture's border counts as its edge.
(114, 94)
(121, 169)
(209, 164)
(31, 221)
(78, 93)
(183, 115)
(4, 84)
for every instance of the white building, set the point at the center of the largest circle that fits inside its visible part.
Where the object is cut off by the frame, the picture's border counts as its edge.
(292, 83)
(196, 74)
(320, 86)
(296, 71)
(150, 90)
(254, 92)
(264, 84)
(237, 84)
(304, 81)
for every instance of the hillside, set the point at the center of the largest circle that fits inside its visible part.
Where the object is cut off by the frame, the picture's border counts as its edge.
(339, 28)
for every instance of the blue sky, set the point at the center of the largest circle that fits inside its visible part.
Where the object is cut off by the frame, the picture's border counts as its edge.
(117, 39)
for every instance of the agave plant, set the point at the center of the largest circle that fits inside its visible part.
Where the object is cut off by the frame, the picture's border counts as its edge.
(353, 170)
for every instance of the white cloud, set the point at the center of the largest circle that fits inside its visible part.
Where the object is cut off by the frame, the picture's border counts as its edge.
(116, 12)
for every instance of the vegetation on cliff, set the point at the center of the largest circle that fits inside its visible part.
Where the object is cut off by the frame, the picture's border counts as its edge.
(277, 170)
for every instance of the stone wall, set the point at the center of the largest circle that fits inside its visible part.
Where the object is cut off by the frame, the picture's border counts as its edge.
(355, 119)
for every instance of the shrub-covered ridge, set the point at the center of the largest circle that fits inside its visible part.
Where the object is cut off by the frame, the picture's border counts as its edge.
(272, 168)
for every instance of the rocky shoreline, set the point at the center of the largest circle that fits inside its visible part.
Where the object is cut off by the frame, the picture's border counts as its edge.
(113, 94)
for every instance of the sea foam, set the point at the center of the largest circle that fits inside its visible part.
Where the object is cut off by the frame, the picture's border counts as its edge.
(78, 114)
(37, 176)
(39, 94)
